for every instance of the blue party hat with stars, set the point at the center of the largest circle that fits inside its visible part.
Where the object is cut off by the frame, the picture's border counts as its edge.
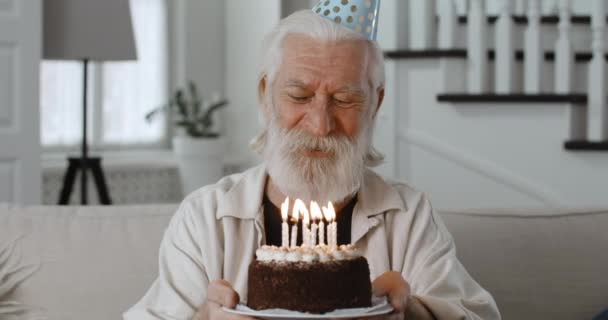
(360, 16)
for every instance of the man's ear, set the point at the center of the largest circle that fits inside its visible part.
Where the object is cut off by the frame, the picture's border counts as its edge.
(380, 100)
(262, 101)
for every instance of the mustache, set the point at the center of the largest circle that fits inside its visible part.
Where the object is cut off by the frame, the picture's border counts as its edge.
(295, 141)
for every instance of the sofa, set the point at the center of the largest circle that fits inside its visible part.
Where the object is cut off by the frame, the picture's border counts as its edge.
(95, 262)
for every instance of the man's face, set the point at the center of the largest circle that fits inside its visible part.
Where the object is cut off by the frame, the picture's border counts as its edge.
(319, 128)
(322, 88)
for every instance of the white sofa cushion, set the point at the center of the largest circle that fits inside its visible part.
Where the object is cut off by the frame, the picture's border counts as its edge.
(96, 262)
(546, 264)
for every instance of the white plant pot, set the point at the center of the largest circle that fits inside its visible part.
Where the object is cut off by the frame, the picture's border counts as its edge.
(200, 161)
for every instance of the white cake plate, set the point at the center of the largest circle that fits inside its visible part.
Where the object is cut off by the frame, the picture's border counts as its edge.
(379, 307)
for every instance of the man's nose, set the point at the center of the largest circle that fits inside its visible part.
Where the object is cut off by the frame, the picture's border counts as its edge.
(320, 122)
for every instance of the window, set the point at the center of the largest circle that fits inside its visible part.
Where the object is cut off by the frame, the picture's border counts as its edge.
(120, 93)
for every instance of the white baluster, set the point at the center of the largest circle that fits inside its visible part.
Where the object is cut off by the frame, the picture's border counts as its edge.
(564, 55)
(597, 111)
(504, 49)
(477, 61)
(550, 7)
(533, 59)
(423, 26)
(448, 24)
(395, 28)
(520, 7)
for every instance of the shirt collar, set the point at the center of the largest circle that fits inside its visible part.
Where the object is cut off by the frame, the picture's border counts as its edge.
(375, 197)
(244, 199)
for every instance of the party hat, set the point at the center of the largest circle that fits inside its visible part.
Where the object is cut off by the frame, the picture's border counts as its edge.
(360, 16)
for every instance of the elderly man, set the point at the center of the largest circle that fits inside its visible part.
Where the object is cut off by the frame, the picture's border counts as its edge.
(320, 87)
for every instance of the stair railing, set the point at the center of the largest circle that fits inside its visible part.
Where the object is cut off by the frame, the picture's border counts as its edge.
(533, 50)
(477, 56)
(597, 119)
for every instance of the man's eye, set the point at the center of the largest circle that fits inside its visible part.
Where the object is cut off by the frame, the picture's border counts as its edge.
(300, 99)
(343, 103)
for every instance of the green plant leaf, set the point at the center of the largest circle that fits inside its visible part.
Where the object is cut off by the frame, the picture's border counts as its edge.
(152, 113)
(190, 112)
(207, 118)
(181, 103)
(183, 123)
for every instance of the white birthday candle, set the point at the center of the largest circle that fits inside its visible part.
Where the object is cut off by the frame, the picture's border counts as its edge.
(316, 215)
(327, 216)
(300, 208)
(334, 226)
(295, 215)
(305, 228)
(321, 232)
(285, 226)
(332, 231)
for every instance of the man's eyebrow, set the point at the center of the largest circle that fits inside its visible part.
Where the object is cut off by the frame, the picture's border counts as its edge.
(351, 89)
(356, 90)
(295, 83)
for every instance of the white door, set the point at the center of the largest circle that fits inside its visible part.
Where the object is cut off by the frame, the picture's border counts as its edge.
(20, 51)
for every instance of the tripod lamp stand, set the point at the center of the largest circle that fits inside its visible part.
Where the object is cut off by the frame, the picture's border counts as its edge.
(87, 31)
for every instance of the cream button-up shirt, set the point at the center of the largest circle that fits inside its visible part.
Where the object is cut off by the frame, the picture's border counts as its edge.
(217, 229)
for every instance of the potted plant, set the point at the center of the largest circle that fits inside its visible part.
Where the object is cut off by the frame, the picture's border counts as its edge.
(198, 148)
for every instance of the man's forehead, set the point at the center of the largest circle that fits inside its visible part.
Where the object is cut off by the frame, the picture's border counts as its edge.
(337, 66)
(301, 45)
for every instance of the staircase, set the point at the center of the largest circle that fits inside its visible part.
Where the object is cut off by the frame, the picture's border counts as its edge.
(496, 109)
(517, 70)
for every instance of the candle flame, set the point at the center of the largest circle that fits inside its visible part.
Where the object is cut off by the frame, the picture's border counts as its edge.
(300, 207)
(315, 211)
(285, 209)
(329, 212)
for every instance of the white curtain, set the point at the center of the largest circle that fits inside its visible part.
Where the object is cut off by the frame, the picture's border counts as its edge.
(60, 103)
(128, 90)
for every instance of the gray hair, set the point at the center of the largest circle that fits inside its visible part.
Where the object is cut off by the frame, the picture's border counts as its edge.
(308, 23)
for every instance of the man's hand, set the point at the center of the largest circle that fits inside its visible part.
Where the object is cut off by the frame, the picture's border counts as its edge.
(219, 294)
(397, 290)
(392, 285)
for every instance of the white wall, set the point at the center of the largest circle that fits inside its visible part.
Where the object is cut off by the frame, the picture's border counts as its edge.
(290, 6)
(205, 58)
(198, 45)
(247, 22)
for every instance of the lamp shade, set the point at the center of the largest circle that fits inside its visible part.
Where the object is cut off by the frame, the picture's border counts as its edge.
(97, 30)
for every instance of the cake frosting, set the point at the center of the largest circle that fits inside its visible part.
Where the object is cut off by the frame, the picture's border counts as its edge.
(322, 253)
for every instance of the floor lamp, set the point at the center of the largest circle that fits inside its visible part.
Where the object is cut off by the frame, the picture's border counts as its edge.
(87, 31)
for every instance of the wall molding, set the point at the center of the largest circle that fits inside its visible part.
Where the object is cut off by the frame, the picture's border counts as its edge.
(483, 167)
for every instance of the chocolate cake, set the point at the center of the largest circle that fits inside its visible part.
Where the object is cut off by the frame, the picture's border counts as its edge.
(314, 280)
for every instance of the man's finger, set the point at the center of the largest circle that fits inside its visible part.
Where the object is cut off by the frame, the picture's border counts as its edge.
(398, 300)
(398, 297)
(222, 293)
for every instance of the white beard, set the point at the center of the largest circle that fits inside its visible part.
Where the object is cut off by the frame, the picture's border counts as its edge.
(333, 178)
